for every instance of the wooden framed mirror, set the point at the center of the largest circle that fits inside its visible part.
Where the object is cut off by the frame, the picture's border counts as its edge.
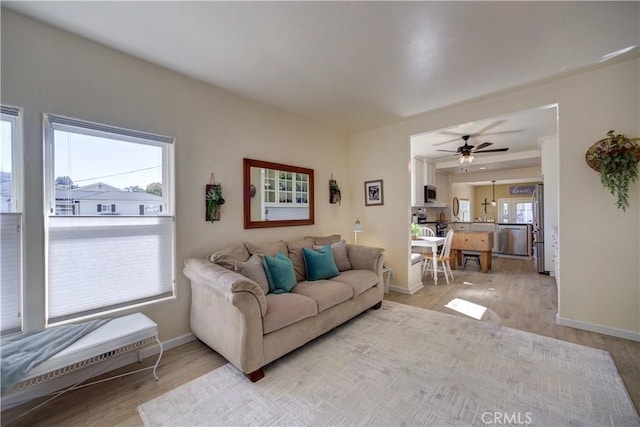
(456, 206)
(277, 195)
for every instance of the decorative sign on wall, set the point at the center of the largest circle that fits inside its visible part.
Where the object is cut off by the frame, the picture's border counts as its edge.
(521, 190)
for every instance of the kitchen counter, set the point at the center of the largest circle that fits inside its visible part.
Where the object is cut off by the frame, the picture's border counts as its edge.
(489, 222)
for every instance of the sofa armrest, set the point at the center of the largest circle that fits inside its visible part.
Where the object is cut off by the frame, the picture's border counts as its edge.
(223, 281)
(365, 257)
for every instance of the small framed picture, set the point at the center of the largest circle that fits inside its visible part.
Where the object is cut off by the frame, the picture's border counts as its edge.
(373, 195)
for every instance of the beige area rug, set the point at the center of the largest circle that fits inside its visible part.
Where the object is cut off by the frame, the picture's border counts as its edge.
(402, 365)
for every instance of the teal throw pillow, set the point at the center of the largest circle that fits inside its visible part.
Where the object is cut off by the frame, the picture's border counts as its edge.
(320, 264)
(280, 273)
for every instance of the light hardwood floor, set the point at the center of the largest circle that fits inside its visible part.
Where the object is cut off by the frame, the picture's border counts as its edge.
(518, 297)
(514, 293)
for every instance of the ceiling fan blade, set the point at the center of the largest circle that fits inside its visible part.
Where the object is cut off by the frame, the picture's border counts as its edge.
(489, 126)
(446, 142)
(448, 151)
(458, 134)
(478, 133)
(504, 132)
(483, 145)
(495, 150)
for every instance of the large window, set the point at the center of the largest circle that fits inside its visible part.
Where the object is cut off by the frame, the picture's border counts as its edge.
(10, 220)
(110, 225)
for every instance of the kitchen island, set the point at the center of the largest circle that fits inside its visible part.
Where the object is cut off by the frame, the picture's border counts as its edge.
(478, 241)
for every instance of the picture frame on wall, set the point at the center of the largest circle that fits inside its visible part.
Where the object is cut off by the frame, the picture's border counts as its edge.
(373, 193)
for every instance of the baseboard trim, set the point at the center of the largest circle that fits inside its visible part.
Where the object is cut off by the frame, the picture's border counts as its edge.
(407, 291)
(601, 329)
(167, 345)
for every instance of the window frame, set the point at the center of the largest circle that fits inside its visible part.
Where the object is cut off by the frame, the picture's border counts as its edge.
(15, 116)
(51, 123)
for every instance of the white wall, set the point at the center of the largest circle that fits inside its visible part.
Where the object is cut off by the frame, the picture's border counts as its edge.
(51, 71)
(599, 270)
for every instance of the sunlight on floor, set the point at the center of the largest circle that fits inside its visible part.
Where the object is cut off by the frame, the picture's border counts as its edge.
(468, 308)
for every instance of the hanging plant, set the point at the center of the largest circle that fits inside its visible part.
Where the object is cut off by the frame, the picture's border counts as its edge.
(214, 201)
(616, 158)
(335, 195)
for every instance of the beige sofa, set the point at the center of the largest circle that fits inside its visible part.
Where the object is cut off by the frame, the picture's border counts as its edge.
(250, 326)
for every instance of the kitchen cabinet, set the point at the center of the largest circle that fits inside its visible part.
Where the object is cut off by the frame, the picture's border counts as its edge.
(442, 182)
(430, 177)
(417, 181)
(556, 252)
(550, 167)
(459, 226)
(423, 172)
(285, 188)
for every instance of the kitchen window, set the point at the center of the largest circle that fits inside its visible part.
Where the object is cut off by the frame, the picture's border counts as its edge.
(103, 252)
(464, 210)
(11, 232)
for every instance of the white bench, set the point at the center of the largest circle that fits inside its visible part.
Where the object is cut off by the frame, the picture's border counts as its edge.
(104, 349)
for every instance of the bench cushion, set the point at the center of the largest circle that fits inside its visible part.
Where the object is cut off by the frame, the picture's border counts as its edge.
(116, 333)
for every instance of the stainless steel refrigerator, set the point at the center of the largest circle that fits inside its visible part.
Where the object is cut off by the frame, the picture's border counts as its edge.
(538, 227)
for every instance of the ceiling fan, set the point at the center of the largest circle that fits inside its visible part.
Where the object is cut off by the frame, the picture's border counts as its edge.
(467, 152)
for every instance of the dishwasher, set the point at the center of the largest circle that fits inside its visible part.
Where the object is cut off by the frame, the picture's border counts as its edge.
(513, 239)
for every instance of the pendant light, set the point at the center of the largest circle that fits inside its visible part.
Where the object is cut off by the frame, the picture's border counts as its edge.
(493, 201)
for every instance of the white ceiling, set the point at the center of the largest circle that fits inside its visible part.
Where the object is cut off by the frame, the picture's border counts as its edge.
(357, 65)
(520, 132)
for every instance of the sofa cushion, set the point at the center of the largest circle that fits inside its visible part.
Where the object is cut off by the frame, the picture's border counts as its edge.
(287, 309)
(326, 293)
(253, 269)
(295, 255)
(228, 257)
(358, 280)
(270, 248)
(340, 256)
(324, 240)
(320, 264)
(280, 274)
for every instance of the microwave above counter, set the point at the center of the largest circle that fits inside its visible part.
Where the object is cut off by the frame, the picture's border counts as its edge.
(430, 194)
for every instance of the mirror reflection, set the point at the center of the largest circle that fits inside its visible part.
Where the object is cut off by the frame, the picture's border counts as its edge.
(277, 195)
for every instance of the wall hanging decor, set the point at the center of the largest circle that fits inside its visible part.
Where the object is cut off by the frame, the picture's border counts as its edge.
(373, 195)
(214, 200)
(616, 158)
(334, 191)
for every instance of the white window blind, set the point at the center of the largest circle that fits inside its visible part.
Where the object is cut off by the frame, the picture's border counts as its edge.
(105, 254)
(10, 271)
(102, 263)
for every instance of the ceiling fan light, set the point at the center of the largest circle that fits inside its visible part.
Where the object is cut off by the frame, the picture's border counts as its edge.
(466, 158)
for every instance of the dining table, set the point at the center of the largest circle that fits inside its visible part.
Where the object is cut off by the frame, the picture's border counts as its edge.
(433, 243)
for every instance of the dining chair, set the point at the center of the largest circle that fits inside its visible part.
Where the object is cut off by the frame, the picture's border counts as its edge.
(443, 258)
(425, 252)
(426, 232)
